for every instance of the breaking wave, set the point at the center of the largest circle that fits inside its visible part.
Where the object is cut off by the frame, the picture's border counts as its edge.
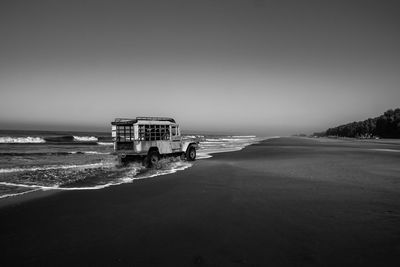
(88, 176)
(85, 138)
(21, 140)
(58, 153)
(48, 139)
(105, 143)
(70, 139)
(35, 153)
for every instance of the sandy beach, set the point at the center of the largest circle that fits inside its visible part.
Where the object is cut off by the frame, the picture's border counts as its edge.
(282, 202)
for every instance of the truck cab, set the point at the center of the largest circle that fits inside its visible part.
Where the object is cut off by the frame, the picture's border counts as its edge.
(147, 139)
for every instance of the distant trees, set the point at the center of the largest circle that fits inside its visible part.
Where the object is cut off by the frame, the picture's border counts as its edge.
(384, 126)
(388, 125)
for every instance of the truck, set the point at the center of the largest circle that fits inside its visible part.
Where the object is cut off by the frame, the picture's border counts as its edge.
(148, 139)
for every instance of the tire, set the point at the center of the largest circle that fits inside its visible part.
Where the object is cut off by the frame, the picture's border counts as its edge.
(152, 159)
(191, 153)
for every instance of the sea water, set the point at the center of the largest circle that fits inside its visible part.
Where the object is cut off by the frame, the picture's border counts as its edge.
(37, 160)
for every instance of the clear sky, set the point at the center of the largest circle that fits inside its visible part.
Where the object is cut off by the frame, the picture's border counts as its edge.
(263, 67)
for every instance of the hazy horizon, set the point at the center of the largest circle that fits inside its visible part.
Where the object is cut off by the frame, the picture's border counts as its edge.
(107, 129)
(246, 67)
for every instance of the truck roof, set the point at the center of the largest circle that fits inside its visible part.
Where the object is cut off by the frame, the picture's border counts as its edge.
(152, 120)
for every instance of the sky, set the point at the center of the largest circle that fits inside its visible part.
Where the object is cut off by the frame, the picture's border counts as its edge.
(235, 66)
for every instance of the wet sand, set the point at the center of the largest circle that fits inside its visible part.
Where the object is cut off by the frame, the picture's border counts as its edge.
(283, 202)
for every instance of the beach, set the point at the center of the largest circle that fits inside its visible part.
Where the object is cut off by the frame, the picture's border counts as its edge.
(282, 202)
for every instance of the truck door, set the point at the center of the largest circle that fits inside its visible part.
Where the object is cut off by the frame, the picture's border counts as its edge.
(176, 143)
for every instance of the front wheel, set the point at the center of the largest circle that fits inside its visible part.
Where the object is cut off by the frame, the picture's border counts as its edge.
(191, 153)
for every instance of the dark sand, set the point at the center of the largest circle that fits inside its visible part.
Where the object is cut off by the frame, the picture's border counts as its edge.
(284, 202)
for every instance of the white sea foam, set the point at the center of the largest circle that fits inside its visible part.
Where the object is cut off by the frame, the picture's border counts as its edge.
(105, 143)
(56, 167)
(213, 140)
(18, 194)
(235, 139)
(208, 143)
(21, 140)
(126, 179)
(221, 145)
(20, 185)
(85, 138)
(174, 167)
(203, 155)
(130, 177)
(55, 187)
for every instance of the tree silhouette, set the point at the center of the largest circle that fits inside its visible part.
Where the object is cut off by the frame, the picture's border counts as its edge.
(384, 126)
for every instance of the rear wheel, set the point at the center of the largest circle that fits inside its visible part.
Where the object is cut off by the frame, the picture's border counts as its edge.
(191, 153)
(152, 159)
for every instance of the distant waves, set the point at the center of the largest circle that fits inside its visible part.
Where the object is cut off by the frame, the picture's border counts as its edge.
(85, 138)
(21, 140)
(54, 139)
(57, 153)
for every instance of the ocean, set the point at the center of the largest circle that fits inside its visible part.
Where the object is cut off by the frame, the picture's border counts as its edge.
(44, 160)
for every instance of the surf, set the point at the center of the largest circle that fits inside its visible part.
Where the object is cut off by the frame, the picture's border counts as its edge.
(21, 140)
(98, 168)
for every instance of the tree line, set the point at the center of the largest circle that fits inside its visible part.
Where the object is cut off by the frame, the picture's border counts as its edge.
(384, 126)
